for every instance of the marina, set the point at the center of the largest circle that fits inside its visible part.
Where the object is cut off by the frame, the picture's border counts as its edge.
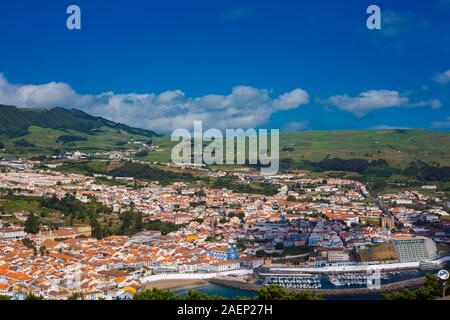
(356, 278)
(306, 281)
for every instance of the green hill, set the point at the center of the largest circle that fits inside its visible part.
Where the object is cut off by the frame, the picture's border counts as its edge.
(15, 122)
(398, 147)
(39, 131)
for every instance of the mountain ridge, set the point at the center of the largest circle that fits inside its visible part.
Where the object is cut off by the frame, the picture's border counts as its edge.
(15, 122)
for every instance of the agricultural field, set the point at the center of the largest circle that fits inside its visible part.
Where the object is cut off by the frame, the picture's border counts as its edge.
(398, 147)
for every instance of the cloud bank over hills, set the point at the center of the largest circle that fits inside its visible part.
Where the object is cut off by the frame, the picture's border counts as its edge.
(244, 107)
(372, 100)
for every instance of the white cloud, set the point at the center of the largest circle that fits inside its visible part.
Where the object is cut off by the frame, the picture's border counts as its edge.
(396, 23)
(442, 78)
(435, 104)
(368, 101)
(387, 127)
(295, 126)
(234, 14)
(291, 99)
(441, 124)
(372, 100)
(244, 107)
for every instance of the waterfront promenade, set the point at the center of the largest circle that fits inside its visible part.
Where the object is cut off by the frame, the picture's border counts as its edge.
(194, 276)
(360, 267)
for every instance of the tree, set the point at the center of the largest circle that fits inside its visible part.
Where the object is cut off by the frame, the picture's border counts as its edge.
(4, 298)
(156, 294)
(141, 154)
(291, 198)
(97, 229)
(32, 296)
(201, 193)
(32, 224)
(431, 290)
(131, 223)
(27, 242)
(76, 296)
(279, 246)
(43, 251)
(196, 295)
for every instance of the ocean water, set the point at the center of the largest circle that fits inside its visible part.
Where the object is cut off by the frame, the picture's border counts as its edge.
(214, 289)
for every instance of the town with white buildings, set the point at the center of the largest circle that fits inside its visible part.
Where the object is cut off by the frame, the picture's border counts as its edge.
(311, 223)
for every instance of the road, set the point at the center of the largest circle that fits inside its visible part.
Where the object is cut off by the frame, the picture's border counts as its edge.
(379, 204)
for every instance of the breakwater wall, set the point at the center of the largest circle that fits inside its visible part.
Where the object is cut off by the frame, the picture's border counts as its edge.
(195, 276)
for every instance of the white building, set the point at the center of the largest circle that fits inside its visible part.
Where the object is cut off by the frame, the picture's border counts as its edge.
(225, 265)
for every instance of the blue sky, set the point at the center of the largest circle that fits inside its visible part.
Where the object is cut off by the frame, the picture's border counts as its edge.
(288, 64)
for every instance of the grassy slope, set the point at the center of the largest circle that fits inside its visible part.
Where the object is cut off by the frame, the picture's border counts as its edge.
(398, 147)
(46, 139)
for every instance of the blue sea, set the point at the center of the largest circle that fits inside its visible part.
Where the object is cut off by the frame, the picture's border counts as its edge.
(214, 289)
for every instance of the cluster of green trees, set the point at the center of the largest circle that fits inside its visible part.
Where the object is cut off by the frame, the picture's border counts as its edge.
(99, 230)
(420, 170)
(272, 292)
(83, 167)
(131, 223)
(32, 296)
(24, 143)
(76, 296)
(70, 206)
(32, 224)
(424, 171)
(349, 165)
(159, 294)
(141, 154)
(70, 138)
(431, 290)
(146, 172)
(164, 227)
(43, 251)
(254, 188)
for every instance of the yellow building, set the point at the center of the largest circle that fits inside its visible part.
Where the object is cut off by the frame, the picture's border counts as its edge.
(191, 237)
